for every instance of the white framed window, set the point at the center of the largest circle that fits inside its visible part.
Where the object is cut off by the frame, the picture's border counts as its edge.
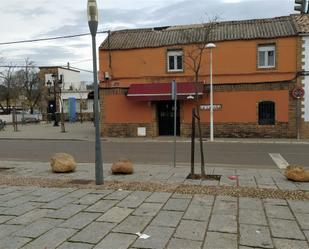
(175, 61)
(266, 56)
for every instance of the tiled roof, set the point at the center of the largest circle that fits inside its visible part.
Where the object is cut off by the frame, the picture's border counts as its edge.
(301, 23)
(222, 31)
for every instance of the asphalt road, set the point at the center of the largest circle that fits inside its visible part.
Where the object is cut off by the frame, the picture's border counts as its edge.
(234, 155)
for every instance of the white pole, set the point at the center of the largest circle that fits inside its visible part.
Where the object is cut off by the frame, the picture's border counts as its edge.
(211, 102)
(174, 93)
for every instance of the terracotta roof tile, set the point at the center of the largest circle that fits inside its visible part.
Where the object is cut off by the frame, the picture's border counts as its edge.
(222, 31)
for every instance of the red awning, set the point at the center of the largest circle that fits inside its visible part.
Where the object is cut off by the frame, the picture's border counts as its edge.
(162, 91)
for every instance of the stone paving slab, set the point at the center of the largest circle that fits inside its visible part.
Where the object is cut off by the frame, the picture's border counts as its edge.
(51, 239)
(71, 245)
(252, 217)
(192, 230)
(80, 220)
(116, 241)
(256, 236)
(220, 241)
(158, 239)
(93, 233)
(285, 229)
(133, 224)
(167, 218)
(93, 218)
(223, 223)
(287, 244)
(13, 242)
(183, 243)
(38, 227)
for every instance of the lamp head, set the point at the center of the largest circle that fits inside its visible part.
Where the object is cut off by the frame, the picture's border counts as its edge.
(92, 10)
(210, 45)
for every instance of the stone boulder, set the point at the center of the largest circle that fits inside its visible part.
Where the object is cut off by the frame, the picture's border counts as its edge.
(122, 167)
(297, 174)
(62, 163)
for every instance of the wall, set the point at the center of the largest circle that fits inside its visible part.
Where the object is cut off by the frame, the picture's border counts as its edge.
(242, 106)
(234, 62)
(238, 117)
(71, 78)
(121, 117)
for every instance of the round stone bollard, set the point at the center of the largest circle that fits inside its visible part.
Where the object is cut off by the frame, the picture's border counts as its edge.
(123, 166)
(62, 163)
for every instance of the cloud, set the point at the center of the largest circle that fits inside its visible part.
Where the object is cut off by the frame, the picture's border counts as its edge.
(45, 18)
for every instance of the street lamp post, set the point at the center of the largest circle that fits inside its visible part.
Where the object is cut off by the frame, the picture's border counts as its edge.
(55, 83)
(211, 46)
(92, 11)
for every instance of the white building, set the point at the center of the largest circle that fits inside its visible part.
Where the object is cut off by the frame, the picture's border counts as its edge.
(73, 95)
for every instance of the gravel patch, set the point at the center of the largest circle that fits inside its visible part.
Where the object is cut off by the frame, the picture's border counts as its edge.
(261, 193)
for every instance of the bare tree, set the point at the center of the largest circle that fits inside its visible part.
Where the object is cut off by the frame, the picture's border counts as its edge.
(32, 87)
(198, 37)
(9, 86)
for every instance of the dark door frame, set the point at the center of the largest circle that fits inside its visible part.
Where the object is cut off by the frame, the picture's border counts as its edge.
(165, 118)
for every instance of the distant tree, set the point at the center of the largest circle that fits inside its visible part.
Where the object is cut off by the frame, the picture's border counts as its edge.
(32, 87)
(9, 86)
(198, 37)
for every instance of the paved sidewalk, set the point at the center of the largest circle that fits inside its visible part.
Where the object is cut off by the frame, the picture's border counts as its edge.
(85, 132)
(63, 218)
(102, 217)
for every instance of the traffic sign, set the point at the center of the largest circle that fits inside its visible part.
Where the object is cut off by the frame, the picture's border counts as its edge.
(298, 92)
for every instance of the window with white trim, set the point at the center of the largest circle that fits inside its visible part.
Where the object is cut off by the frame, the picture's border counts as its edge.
(266, 56)
(175, 61)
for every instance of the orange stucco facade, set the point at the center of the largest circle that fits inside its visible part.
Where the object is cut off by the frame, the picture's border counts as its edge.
(239, 86)
(234, 62)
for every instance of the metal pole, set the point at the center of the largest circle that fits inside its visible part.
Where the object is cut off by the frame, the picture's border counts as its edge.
(23, 113)
(98, 156)
(298, 118)
(55, 98)
(175, 118)
(192, 141)
(211, 102)
(62, 114)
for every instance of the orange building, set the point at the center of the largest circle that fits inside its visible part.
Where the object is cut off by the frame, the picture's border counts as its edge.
(256, 66)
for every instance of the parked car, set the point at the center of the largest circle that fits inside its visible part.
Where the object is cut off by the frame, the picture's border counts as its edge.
(27, 117)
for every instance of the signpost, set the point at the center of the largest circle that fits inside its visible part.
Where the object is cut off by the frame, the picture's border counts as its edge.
(174, 97)
(298, 93)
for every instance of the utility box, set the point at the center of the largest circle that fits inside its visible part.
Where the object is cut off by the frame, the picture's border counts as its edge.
(141, 131)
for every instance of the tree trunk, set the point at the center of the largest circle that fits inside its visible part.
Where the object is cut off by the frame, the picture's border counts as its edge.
(201, 141)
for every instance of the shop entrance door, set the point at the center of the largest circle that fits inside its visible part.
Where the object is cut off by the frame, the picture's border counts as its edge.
(166, 118)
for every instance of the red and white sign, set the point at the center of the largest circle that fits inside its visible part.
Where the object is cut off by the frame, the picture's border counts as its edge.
(298, 92)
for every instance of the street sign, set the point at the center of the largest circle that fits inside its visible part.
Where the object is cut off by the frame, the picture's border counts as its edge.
(298, 92)
(207, 107)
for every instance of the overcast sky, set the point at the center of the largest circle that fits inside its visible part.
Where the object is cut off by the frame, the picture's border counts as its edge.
(31, 19)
